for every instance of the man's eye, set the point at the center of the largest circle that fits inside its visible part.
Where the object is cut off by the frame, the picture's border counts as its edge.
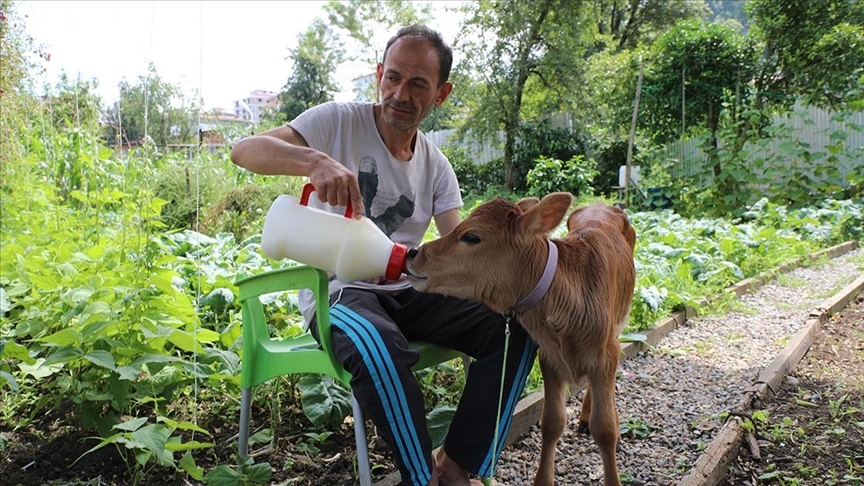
(470, 238)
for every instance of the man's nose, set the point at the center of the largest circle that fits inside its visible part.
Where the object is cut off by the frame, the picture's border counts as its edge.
(401, 93)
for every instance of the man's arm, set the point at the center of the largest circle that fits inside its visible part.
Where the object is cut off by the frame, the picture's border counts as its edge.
(283, 151)
(446, 221)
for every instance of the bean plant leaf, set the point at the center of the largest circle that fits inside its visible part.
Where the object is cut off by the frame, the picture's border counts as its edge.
(324, 401)
(439, 423)
(131, 425)
(13, 384)
(13, 350)
(153, 438)
(633, 337)
(187, 463)
(101, 358)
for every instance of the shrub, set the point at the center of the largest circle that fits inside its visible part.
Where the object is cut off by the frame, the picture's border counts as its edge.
(541, 139)
(550, 175)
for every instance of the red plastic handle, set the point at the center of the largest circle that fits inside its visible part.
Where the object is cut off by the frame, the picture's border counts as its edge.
(308, 189)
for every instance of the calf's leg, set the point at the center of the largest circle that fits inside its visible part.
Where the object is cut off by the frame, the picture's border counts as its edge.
(552, 422)
(604, 420)
(585, 413)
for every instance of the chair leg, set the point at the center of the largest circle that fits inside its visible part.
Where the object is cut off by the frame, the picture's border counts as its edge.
(245, 410)
(363, 469)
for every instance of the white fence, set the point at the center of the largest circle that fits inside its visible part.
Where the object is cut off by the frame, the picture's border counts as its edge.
(812, 126)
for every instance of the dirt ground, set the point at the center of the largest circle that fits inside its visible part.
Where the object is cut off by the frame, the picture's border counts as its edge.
(814, 430)
(812, 434)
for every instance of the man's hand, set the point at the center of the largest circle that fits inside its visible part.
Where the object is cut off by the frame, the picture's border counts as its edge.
(335, 184)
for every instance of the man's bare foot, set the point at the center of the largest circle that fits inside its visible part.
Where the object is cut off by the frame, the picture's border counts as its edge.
(452, 474)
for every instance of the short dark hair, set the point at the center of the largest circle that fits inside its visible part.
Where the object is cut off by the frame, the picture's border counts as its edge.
(445, 54)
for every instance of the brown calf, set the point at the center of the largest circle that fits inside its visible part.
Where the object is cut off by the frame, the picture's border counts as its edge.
(497, 256)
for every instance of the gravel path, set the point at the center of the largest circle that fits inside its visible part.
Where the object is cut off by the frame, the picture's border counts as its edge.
(671, 397)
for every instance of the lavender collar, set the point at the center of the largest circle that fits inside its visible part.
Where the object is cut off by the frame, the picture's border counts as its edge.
(543, 284)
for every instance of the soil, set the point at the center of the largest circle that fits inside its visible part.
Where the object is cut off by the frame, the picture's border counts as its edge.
(46, 454)
(813, 435)
(814, 432)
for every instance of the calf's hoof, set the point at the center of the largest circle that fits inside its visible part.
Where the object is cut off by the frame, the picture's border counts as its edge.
(583, 428)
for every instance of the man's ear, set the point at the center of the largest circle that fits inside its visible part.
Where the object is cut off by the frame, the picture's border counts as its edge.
(443, 92)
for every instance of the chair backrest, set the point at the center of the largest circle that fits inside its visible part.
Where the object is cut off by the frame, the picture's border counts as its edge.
(264, 357)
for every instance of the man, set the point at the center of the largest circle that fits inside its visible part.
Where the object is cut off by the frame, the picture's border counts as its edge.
(374, 157)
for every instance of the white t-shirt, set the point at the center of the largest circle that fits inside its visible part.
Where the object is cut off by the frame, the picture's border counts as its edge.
(400, 197)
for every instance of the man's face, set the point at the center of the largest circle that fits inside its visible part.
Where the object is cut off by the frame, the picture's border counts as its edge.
(408, 80)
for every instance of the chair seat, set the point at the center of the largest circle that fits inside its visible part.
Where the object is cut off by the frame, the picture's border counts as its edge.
(432, 354)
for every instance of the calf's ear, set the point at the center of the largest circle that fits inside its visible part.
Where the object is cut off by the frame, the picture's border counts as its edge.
(527, 203)
(545, 215)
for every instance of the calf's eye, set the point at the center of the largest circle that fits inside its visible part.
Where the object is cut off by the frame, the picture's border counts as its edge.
(470, 238)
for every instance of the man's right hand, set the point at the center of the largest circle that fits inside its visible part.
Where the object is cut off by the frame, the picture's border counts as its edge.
(283, 151)
(335, 184)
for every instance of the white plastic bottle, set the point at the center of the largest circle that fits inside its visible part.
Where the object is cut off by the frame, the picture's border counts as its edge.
(352, 249)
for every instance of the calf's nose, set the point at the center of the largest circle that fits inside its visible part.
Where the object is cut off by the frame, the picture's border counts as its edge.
(413, 252)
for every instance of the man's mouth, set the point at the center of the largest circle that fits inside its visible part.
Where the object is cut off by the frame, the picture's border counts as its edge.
(406, 109)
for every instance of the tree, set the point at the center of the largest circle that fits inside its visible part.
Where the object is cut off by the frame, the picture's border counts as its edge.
(16, 100)
(370, 24)
(74, 104)
(633, 22)
(693, 70)
(812, 49)
(511, 42)
(152, 110)
(316, 57)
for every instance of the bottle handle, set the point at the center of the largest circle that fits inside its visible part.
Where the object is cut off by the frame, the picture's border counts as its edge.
(308, 189)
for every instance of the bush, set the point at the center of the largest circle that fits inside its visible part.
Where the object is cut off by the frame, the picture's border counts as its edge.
(242, 210)
(551, 175)
(475, 179)
(186, 190)
(541, 139)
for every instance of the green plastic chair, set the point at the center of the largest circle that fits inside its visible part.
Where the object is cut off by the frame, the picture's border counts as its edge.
(265, 358)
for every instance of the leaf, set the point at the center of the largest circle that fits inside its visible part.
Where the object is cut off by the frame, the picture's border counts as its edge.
(13, 350)
(264, 436)
(324, 401)
(259, 473)
(438, 421)
(633, 337)
(128, 373)
(101, 444)
(187, 463)
(187, 446)
(191, 342)
(76, 296)
(222, 476)
(62, 338)
(131, 425)
(13, 385)
(153, 437)
(101, 358)
(184, 425)
(39, 371)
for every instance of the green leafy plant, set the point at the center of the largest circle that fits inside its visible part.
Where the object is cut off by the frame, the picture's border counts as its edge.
(246, 473)
(551, 175)
(154, 444)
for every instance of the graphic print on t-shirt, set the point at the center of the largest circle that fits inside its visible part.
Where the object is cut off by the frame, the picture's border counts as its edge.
(392, 217)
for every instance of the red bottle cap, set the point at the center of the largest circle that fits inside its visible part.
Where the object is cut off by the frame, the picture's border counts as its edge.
(396, 262)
